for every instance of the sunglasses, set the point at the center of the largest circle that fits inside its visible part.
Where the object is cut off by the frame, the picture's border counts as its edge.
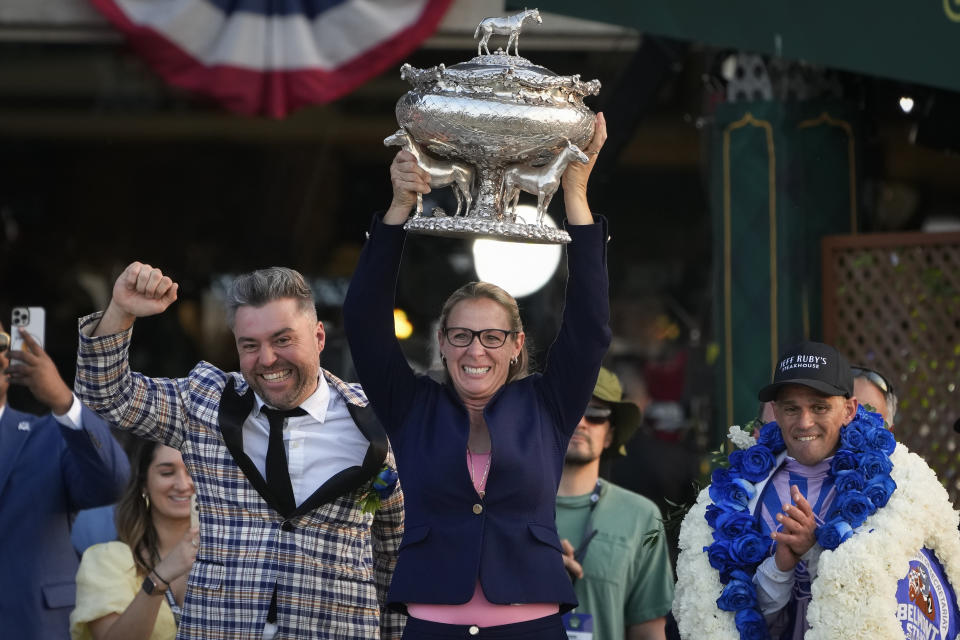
(4, 341)
(597, 415)
(873, 376)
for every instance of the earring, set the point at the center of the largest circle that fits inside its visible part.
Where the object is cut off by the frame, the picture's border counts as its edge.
(514, 361)
(146, 500)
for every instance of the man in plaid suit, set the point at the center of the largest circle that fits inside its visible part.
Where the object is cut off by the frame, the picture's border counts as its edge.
(285, 549)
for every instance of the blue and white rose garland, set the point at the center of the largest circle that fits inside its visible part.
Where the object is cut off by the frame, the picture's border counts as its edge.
(854, 591)
(861, 472)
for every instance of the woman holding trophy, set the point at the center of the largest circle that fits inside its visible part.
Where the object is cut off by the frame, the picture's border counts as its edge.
(480, 455)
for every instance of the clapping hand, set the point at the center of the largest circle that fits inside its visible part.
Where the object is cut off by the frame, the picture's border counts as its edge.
(798, 532)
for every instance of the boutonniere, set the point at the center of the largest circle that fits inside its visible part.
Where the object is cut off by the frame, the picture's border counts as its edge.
(377, 489)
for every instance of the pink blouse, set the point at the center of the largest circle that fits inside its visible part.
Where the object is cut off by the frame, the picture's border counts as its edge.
(478, 610)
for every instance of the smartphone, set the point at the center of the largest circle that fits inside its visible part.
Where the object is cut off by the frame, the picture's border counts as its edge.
(33, 319)
(194, 512)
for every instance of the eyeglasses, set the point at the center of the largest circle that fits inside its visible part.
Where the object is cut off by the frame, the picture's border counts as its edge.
(489, 338)
(4, 341)
(873, 376)
(597, 415)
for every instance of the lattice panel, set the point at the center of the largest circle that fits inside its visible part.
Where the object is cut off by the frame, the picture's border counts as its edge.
(892, 303)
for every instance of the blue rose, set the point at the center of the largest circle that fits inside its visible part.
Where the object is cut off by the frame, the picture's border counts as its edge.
(852, 438)
(385, 482)
(834, 532)
(756, 463)
(849, 481)
(879, 490)
(750, 548)
(738, 594)
(882, 440)
(854, 507)
(771, 438)
(718, 554)
(746, 486)
(723, 475)
(713, 512)
(871, 418)
(733, 495)
(736, 464)
(733, 524)
(751, 625)
(843, 460)
(874, 463)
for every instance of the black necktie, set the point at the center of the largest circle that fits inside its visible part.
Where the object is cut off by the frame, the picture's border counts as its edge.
(278, 474)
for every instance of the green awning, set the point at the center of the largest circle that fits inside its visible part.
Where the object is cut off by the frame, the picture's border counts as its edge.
(916, 41)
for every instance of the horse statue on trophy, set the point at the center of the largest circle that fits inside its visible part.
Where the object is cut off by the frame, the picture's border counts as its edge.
(509, 25)
(539, 181)
(443, 173)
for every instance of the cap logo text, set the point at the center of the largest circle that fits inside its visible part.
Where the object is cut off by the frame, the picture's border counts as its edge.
(802, 361)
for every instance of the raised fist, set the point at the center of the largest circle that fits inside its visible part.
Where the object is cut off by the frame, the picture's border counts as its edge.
(142, 290)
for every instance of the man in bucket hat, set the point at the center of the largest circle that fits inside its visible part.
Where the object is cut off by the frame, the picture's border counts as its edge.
(624, 586)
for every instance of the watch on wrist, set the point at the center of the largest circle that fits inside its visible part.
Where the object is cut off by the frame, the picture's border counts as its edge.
(150, 587)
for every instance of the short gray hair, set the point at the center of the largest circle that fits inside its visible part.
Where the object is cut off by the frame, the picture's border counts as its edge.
(257, 288)
(889, 396)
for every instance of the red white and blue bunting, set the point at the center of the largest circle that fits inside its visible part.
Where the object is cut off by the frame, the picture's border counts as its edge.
(270, 57)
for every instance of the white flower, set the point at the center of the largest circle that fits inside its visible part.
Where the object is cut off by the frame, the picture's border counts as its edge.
(741, 438)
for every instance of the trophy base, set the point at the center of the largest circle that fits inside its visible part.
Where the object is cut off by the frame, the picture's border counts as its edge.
(460, 227)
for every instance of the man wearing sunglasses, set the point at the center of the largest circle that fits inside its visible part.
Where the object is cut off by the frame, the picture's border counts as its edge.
(625, 586)
(874, 390)
(50, 467)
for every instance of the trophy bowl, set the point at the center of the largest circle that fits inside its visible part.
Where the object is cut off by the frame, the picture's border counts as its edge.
(490, 128)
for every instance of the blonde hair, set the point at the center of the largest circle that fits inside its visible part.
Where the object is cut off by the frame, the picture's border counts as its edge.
(475, 290)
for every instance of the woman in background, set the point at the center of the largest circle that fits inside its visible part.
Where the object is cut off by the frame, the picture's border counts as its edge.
(133, 589)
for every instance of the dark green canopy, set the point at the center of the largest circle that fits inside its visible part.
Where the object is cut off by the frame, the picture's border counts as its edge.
(916, 41)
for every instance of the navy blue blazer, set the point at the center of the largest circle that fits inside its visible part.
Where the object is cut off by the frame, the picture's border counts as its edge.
(453, 537)
(47, 473)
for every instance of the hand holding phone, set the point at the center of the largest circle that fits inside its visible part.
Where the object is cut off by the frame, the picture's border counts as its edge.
(30, 365)
(31, 319)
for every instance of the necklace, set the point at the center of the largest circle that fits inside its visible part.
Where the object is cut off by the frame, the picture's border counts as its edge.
(473, 473)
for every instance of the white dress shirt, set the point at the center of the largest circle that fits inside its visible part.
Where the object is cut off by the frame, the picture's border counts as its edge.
(318, 445)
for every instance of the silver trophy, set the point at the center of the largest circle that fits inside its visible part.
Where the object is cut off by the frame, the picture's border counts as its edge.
(490, 128)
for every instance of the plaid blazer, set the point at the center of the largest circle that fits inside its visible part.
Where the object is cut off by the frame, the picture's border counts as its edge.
(331, 563)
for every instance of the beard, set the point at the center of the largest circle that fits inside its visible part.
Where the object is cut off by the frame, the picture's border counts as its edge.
(303, 385)
(580, 455)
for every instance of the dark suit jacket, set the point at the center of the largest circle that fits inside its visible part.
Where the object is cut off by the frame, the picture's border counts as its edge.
(47, 473)
(509, 538)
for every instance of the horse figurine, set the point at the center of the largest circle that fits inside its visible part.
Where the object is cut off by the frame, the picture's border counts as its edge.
(443, 173)
(509, 25)
(539, 181)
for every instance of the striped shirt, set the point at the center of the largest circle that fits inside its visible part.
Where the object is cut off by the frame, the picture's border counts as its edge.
(816, 485)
